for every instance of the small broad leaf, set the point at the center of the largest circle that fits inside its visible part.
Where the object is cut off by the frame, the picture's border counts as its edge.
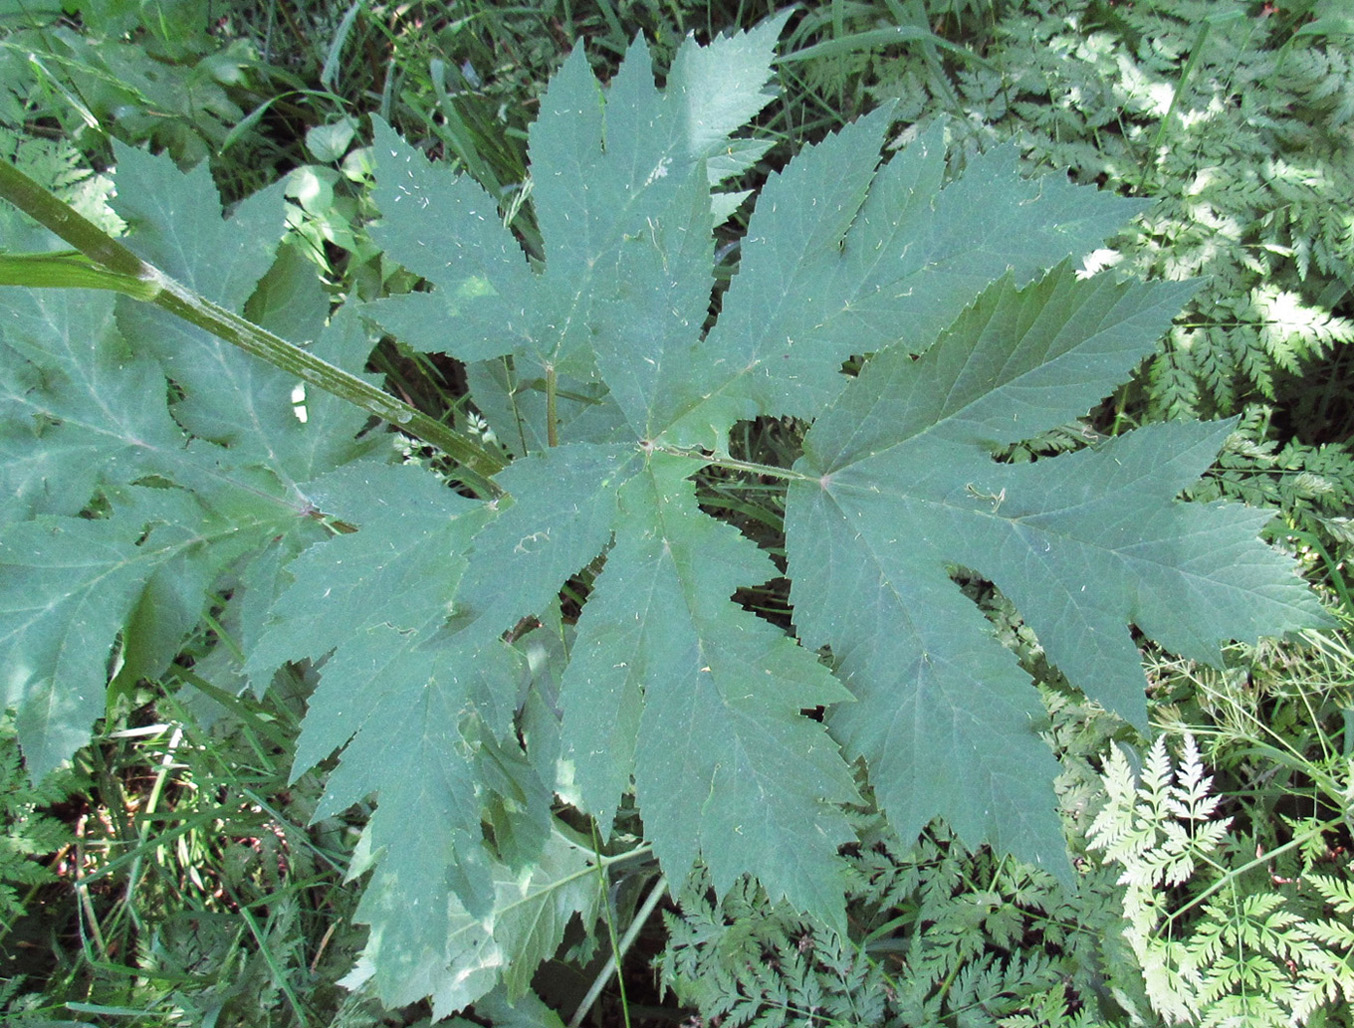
(723, 87)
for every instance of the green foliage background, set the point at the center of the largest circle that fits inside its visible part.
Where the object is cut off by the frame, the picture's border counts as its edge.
(200, 892)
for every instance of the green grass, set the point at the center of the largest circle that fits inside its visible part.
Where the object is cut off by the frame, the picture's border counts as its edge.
(194, 878)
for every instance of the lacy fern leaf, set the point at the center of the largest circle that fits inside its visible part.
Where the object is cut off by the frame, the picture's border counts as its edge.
(1253, 956)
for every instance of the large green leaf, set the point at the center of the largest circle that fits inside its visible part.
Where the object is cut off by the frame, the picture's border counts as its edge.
(626, 284)
(903, 488)
(175, 223)
(69, 586)
(672, 689)
(76, 406)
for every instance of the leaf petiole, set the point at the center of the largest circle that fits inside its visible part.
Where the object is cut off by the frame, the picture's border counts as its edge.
(733, 464)
(68, 270)
(551, 408)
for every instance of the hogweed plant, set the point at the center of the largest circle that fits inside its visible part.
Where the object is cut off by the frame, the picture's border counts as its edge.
(147, 461)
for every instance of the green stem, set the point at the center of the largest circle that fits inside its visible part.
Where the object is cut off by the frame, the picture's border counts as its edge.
(613, 965)
(69, 224)
(551, 408)
(733, 464)
(1231, 875)
(71, 270)
(143, 833)
(278, 972)
(128, 273)
(618, 951)
(476, 462)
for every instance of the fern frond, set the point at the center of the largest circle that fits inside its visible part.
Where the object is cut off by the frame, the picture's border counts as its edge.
(1254, 958)
(28, 832)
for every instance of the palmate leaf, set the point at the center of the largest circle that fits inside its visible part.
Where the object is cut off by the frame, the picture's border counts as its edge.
(754, 788)
(670, 685)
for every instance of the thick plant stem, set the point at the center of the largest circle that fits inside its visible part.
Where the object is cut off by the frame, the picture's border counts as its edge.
(69, 224)
(128, 273)
(476, 462)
